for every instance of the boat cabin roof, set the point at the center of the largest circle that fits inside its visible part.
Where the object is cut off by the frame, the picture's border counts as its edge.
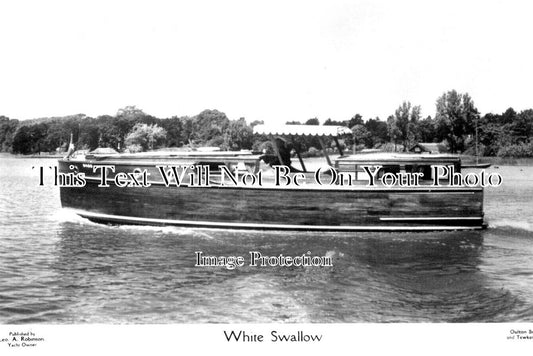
(170, 157)
(214, 154)
(393, 158)
(302, 130)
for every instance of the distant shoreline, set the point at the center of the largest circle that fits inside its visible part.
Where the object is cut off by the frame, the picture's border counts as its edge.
(499, 161)
(14, 155)
(466, 159)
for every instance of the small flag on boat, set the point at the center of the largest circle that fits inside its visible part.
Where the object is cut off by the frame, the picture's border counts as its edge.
(71, 147)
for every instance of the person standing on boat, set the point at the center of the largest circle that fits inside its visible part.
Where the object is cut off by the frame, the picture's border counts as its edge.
(284, 149)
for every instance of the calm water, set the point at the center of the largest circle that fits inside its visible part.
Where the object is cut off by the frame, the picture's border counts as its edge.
(58, 268)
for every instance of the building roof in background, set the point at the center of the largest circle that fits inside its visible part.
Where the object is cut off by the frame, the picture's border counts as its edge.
(430, 147)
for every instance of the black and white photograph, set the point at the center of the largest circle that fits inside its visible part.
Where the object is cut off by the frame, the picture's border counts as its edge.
(266, 176)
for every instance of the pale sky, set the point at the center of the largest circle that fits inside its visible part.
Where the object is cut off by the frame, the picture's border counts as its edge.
(262, 60)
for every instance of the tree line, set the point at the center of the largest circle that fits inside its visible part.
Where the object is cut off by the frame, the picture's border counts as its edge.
(457, 123)
(130, 129)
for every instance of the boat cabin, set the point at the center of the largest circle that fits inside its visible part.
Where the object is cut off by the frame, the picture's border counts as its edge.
(352, 164)
(283, 139)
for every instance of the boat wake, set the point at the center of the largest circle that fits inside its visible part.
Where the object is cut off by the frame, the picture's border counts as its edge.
(69, 216)
(513, 224)
(165, 230)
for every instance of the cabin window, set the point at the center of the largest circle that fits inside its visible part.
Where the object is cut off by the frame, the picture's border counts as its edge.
(389, 169)
(213, 166)
(424, 169)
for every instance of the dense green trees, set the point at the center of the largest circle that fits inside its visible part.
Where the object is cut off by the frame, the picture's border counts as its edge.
(130, 128)
(208, 127)
(32, 138)
(238, 135)
(360, 135)
(507, 135)
(22, 141)
(456, 123)
(378, 132)
(456, 119)
(145, 137)
(313, 121)
(403, 126)
(7, 133)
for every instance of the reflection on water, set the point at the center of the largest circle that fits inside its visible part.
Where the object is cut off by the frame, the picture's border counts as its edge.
(59, 268)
